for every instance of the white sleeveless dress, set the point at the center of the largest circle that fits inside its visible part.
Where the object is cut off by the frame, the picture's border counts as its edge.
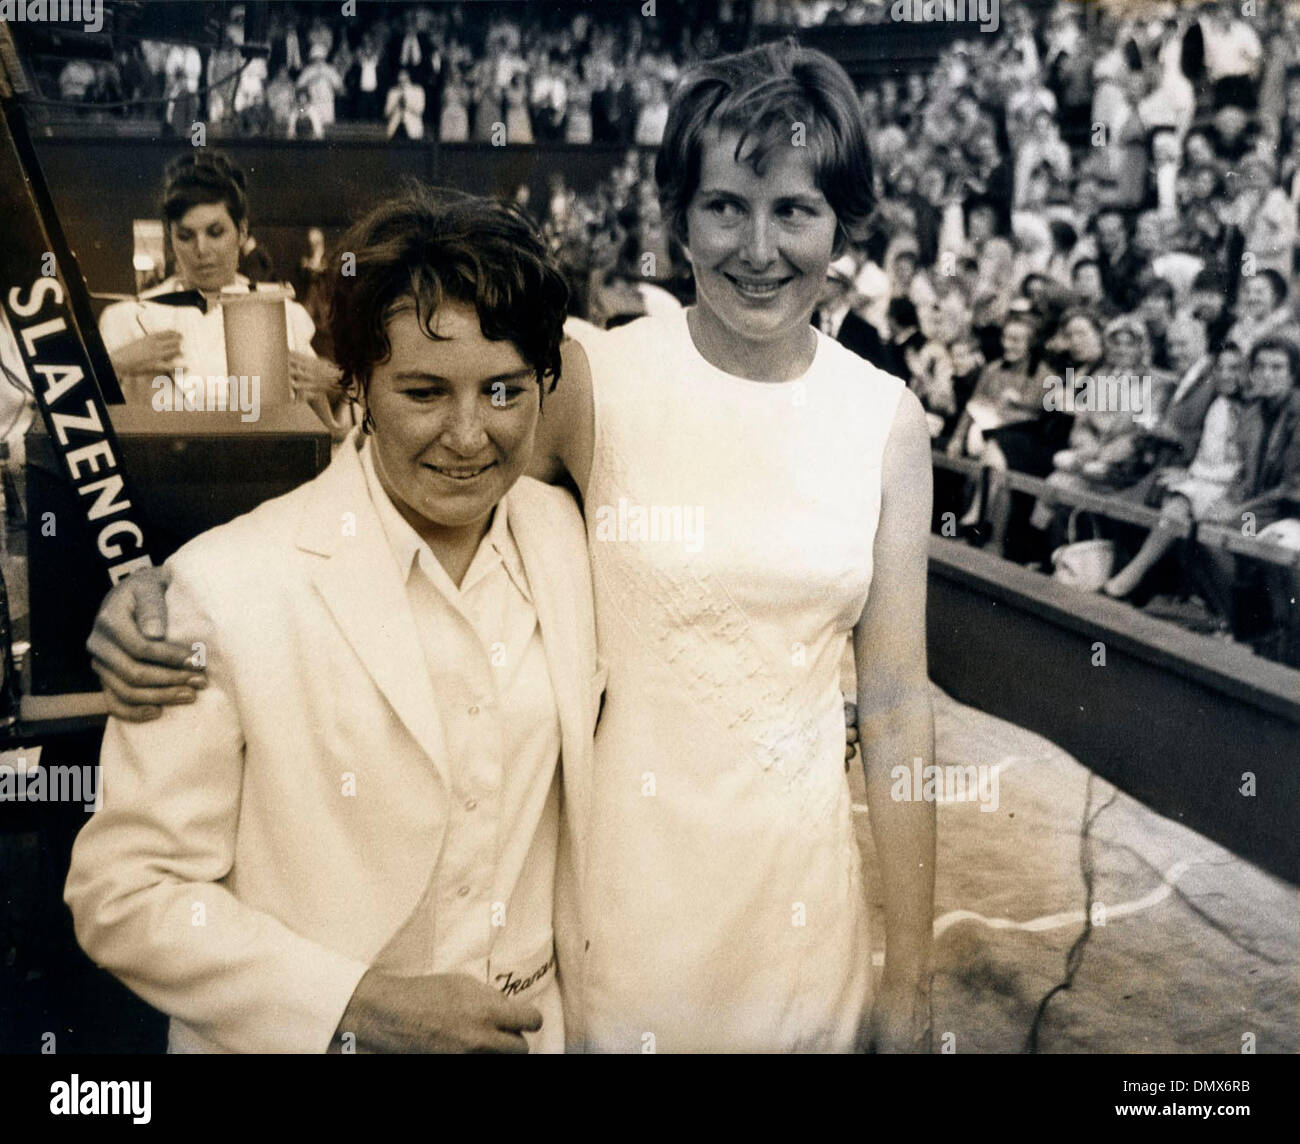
(731, 525)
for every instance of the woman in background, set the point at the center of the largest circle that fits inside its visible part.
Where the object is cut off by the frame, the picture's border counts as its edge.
(205, 217)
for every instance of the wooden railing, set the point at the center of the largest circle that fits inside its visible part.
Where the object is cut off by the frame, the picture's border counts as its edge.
(1116, 508)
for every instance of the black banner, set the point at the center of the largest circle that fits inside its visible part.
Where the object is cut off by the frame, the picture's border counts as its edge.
(49, 313)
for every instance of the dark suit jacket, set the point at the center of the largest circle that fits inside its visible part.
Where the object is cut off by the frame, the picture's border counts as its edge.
(1186, 417)
(864, 340)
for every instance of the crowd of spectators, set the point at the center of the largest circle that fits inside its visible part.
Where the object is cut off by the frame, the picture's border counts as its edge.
(1086, 268)
(451, 72)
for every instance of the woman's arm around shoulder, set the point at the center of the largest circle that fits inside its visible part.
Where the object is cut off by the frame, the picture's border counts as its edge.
(566, 431)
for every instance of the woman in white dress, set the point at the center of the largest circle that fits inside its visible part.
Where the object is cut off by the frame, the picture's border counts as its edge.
(755, 495)
(746, 481)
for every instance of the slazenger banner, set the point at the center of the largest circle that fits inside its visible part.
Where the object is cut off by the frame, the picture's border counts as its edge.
(35, 296)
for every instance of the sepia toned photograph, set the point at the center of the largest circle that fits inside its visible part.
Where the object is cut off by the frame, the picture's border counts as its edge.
(762, 527)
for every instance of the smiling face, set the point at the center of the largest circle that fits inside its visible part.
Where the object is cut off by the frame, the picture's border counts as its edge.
(1084, 340)
(1015, 342)
(1122, 350)
(206, 243)
(1087, 282)
(1257, 299)
(454, 423)
(760, 245)
(1270, 376)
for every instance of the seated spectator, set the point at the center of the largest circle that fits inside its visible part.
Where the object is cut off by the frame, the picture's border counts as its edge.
(1089, 289)
(1208, 301)
(369, 59)
(1006, 425)
(1262, 310)
(967, 365)
(1246, 472)
(1104, 437)
(1156, 309)
(1121, 265)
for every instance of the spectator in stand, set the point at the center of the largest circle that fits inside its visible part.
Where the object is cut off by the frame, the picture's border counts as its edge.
(305, 122)
(1262, 310)
(967, 364)
(1208, 301)
(1067, 66)
(836, 315)
(1043, 158)
(75, 81)
(1006, 426)
(404, 109)
(1188, 493)
(1090, 290)
(578, 126)
(519, 128)
(1120, 264)
(1230, 52)
(1265, 215)
(321, 83)
(366, 66)
(280, 101)
(184, 69)
(1248, 462)
(1103, 443)
(1231, 136)
(1156, 309)
(453, 124)
(225, 65)
(652, 115)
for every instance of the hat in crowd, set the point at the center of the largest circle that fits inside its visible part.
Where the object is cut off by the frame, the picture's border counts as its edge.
(843, 270)
(1127, 324)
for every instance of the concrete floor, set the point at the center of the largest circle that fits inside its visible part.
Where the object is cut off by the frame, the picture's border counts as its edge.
(1192, 950)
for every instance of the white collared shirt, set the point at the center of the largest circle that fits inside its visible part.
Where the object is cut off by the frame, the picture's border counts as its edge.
(203, 334)
(488, 907)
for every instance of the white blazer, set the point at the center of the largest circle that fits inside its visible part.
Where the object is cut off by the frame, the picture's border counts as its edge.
(226, 878)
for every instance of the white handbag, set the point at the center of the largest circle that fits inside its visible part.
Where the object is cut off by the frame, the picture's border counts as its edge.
(1083, 564)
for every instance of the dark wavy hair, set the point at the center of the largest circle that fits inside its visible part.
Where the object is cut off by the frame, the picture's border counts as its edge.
(1278, 345)
(763, 93)
(427, 245)
(201, 177)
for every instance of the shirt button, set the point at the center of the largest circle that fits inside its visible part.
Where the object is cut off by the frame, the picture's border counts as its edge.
(463, 891)
(470, 804)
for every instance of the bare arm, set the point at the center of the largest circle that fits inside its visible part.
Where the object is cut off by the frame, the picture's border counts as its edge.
(566, 431)
(896, 725)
